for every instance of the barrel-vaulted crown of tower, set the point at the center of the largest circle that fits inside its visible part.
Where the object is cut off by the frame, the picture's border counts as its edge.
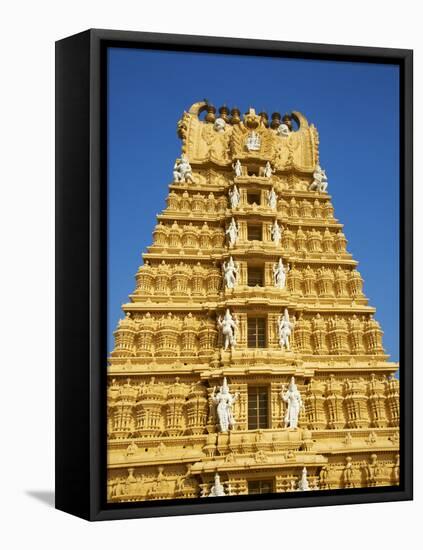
(287, 142)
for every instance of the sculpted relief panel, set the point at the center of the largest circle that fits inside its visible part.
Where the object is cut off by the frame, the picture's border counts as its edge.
(224, 138)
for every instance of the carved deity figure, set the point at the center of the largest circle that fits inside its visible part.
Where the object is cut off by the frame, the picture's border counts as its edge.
(182, 170)
(217, 489)
(323, 477)
(272, 199)
(348, 472)
(232, 233)
(230, 273)
(224, 401)
(267, 172)
(292, 397)
(228, 328)
(237, 168)
(283, 130)
(219, 125)
(253, 142)
(276, 232)
(279, 274)
(131, 449)
(285, 329)
(234, 197)
(303, 482)
(320, 180)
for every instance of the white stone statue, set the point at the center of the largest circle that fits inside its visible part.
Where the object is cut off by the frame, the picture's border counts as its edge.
(267, 170)
(276, 232)
(303, 482)
(320, 181)
(282, 130)
(182, 170)
(272, 199)
(232, 233)
(279, 274)
(285, 329)
(237, 168)
(253, 142)
(234, 197)
(224, 401)
(228, 328)
(293, 398)
(217, 489)
(230, 273)
(219, 125)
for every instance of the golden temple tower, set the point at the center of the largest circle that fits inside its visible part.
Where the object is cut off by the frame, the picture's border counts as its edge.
(247, 284)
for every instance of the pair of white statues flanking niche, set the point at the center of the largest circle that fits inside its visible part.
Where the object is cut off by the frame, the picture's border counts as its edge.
(237, 166)
(228, 328)
(217, 489)
(232, 233)
(235, 198)
(224, 401)
(230, 272)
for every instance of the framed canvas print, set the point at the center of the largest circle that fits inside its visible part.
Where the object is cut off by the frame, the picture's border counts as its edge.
(234, 275)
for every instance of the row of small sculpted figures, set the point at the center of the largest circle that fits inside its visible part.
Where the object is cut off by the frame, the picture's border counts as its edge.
(182, 173)
(195, 279)
(202, 204)
(173, 335)
(352, 473)
(195, 237)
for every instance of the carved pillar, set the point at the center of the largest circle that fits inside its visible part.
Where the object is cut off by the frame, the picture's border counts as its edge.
(373, 337)
(272, 330)
(167, 338)
(319, 335)
(241, 335)
(214, 281)
(151, 399)
(338, 336)
(356, 335)
(241, 406)
(207, 336)
(392, 400)
(174, 408)
(197, 409)
(268, 274)
(303, 335)
(197, 280)
(276, 406)
(314, 403)
(334, 404)
(144, 340)
(355, 284)
(356, 404)
(125, 337)
(145, 280)
(243, 273)
(309, 281)
(377, 403)
(295, 281)
(189, 339)
(123, 421)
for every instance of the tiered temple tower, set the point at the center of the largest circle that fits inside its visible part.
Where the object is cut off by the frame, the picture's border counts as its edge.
(249, 231)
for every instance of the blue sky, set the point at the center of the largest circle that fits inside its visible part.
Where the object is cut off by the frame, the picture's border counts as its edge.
(355, 107)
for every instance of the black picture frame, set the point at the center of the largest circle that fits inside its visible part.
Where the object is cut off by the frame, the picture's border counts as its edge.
(81, 263)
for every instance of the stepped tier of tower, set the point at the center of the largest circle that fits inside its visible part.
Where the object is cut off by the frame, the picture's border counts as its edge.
(163, 435)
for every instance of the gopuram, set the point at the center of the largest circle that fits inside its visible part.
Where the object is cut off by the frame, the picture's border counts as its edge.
(248, 359)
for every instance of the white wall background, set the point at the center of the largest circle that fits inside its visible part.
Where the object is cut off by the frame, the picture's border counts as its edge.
(28, 31)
